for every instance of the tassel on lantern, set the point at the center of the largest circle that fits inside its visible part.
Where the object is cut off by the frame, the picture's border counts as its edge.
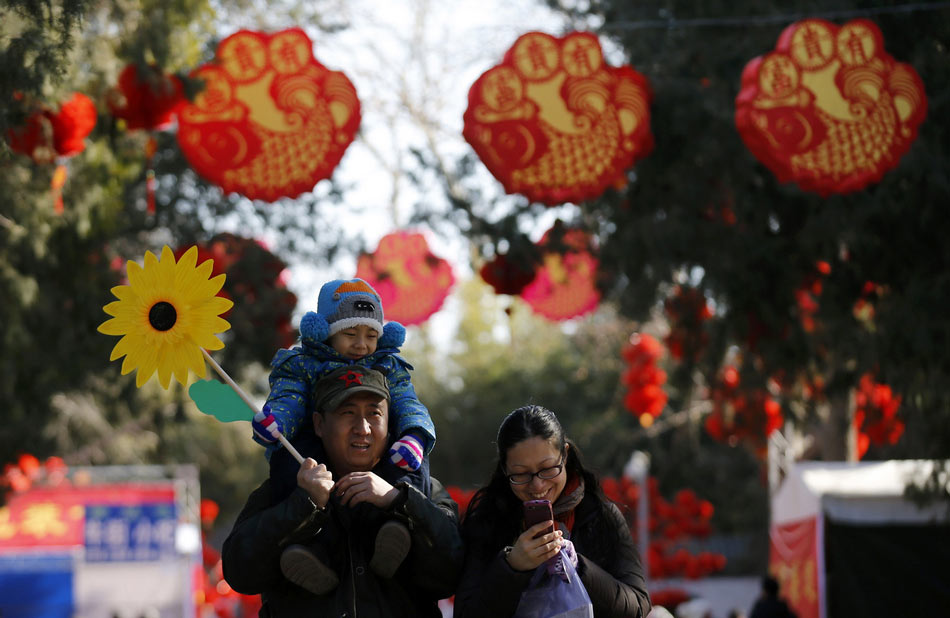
(56, 186)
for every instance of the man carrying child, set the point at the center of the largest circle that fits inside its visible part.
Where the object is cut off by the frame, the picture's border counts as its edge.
(335, 513)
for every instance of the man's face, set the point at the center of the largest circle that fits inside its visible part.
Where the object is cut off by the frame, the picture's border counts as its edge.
(354, 435)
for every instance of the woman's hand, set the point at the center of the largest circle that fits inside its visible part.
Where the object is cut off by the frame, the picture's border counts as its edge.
(316, 480)
(358, 487)
(528, 553)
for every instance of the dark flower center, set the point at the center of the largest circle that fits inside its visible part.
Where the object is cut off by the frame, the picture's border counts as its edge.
(162, 316)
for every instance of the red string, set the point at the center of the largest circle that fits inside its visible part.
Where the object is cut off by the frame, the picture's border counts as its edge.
(150, 147)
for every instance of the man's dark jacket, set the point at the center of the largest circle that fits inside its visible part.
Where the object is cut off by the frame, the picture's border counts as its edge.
(267, 525)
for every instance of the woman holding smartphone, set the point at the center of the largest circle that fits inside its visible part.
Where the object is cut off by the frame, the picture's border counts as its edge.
(537, 462)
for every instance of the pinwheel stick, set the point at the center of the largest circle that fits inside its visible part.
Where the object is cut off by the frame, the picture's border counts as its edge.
(237, 389)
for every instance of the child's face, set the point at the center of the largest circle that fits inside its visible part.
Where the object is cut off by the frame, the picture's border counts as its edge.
(356, 342)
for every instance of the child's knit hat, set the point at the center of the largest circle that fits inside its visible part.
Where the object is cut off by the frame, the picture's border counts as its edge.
(344, 304)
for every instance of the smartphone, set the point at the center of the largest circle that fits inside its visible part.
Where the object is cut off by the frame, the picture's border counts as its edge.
(536, 511)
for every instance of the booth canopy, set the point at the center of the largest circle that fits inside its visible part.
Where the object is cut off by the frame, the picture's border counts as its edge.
(856, 492)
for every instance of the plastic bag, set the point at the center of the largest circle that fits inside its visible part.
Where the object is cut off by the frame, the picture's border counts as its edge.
(551, 596)
(555, 566)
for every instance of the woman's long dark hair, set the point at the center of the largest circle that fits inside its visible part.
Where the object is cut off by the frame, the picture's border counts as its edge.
(493, 519)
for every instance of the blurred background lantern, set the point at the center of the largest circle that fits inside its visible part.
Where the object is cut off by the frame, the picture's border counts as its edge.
(746, 416)
(564, 286)
(875, 415)
(146, 99)
(410, 280)
(506, 274)
(645, 397)
(48, 137)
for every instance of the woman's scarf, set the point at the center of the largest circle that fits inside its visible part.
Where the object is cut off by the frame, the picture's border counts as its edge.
(570, 497)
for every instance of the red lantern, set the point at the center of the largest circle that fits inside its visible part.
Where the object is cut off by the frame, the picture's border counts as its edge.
(738, 415)
(272, 121)
(145, 100)
(507, 276)
(76, 119)
(645, 396)
(875, 415)
(48, 135)
(554, 122)
(410, 280)
(687, 310)
(564, 286)
(829, 108)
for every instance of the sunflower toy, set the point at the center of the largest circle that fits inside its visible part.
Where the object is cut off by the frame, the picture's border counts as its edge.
(168, 317)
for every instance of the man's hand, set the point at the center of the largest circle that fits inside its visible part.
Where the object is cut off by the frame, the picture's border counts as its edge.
(528, 553)
(358, 487)
(316, 480)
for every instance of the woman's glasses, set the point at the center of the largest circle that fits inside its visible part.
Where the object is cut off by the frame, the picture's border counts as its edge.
(523, 478)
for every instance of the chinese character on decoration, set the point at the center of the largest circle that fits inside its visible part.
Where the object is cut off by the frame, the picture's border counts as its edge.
(555, 123)
(271, 121)
(739, 415)
(257, 280)
(564, 286)
(793, 557)
(829, 108)
(645, 396)
(48, 137)
(146, 100)
(410, 280)
(875, 415)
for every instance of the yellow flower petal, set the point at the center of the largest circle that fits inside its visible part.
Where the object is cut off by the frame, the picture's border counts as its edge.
(188, 260)
(121, 349)
(182, 363)
(134, 272)
(217, 283)
(115, 307)
(187, 287)
(214, 344)
(196, 360)
(205, 269)
(219, 305)
(123, 292)
(165, 374)
(111, 327)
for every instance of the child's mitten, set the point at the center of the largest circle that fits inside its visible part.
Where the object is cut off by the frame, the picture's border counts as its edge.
(266, 426)
(407, 453)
